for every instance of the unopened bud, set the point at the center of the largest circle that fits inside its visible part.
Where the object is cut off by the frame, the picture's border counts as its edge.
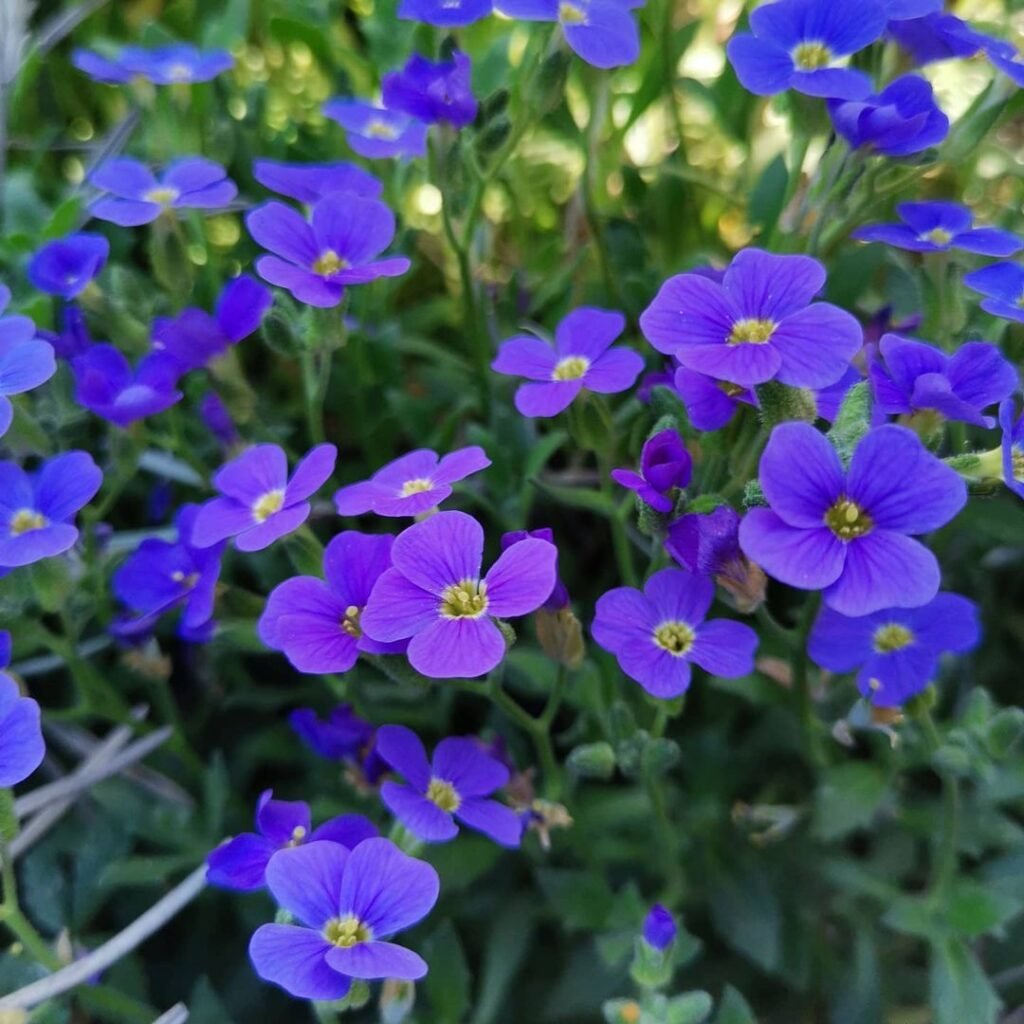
(396, 1001)
(592, 760)
(560, 635)
(780, 403)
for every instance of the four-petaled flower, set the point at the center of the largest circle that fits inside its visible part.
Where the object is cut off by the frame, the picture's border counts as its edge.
(435, 594)
(579, 359)
(1002, 284)
(432, 92)
(846, 532)
(67, 266)
(179, 63)
(939, 227)
(453, 786)
(241, 862)
(316, 622)
(21, 736)
(25, 360)
(259, 503)
(309, 182)
(656, 634)
(106, 384)
(896, 650)
(345, 904)
(665, 465)
(412, 484)
(377, 132)
(758, 324)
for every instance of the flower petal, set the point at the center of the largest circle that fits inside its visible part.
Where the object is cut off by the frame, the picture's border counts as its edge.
(402, 749)
(308, 881)
(423, 818)
(725, 648)
(374, 960)
(806, 558)
(461, 762)
(493, 819)
(522, 578)
(398, 608)
(444, 549)
(296, 959)
(454, 648)
(801, 474)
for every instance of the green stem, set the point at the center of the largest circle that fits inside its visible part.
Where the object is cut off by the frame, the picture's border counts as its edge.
(945, 865)
(801, 683)
(538, 730)
(15, 921)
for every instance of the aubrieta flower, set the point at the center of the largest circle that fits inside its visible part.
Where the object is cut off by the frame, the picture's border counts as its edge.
(445, 13)
(902, 119)
(939, 227)
(344, 737)
(106, 384)
(802, 45)
(67, 266)
(660, 928)
(559, 596)
(166, 65)
(656, 634)
(21, 736)
(309, 182)
(214, 413)
(759, 324)
(896, 650)
(25, 360)
(918, 376)
(1012, 447)
(432, 92)
(317, 259)
(453, 786)
(601, 32)
(137, 196)
(241, 862)
(581, 358)
(848, 532)
(412, 484)
(37, 509)
(374, 132)
(435, 594)
(315, 622)
(346, 903)
(162, 575)
(195, 338)
(258, 502)
(1002, 284)
(665, 466)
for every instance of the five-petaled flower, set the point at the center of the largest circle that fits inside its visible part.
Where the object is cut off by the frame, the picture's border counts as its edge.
(258, 502)
(106, 384)
(21, 736)
(847, 532)
(939, 227)
(177, 64)
(345, 903)
(656, 634)
(25, 360)
(453, 786)
(67, 266)
(436, 596)
(374, 131)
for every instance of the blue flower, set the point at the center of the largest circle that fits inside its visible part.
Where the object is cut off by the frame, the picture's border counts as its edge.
(432, 92)
(1002, 284)
(25, 360)
(165, 65)
(940, 227)
(937, 36)
(660, 928)
(309, 182)
(445, 13)
(67, 266)
(108, 385)
(375, 132)
(21, 737)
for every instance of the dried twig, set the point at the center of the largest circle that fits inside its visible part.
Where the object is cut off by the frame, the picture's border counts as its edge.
(175, 1015)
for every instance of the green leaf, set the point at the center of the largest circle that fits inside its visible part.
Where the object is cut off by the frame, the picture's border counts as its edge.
(448, 983)
(847, 799)
(734, 1009)
(578, 497)
(973, 909)
(960, 992)
(690, 1008)
(582, 899)
(506, 946)
(768, 194)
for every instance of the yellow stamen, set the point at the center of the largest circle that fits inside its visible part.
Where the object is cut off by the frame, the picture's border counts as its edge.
(381, 130)
(751, 331)
(350, 623)
(444, 795)
(347, 931)
(937, 236)
(266, 505)
(25, 521)
(466, 599)
(812, 56)
(571, 14)
(329, 263)
(417, 486)
(162, 196)
(892, 637)
(675, 637)
(847, 520)
(570, 368)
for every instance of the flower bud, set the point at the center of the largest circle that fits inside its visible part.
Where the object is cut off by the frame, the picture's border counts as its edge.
(659, 928)
(780, 403)
(560, 635)
(592, 760)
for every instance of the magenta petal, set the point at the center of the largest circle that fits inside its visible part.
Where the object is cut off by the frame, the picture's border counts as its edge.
(547, 399)
(307, 881)
(453, 648)
(311, 473)
(725, 648)
(397, 608)
(493, 819)
(402, 749)
(373, 960)
(296, 959)
(521, 580)
(424, 819)
(444, 549)
(805, 558)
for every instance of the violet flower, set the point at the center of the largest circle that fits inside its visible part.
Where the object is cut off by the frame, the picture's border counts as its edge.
(665, 466)
(106, 384)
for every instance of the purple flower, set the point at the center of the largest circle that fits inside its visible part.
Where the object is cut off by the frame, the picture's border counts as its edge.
(801, 44)
(375, 132)
(846, 532)
(309, 182)
(21, 736)
(195, 338)
(758, 324)
(655, 634)
(106, 384)
(412, 484)
(73, 338)
(559, 596)
(432, 92)
(580, 359)
(900, 10)
(896, 650)
(936, 37)
(902, 119)
(1012, 447)
(659, 928)
(259, 503)
(165, 65)
(67, 266)
(918, 376)
(137, 196)
(161, 575)
(25, 360)
(1006, 58)
(1002, 284)
(346, 903)
(710, 403)
(665, 465)
(453, 786)
(435, 594)
(445, 13)
(316, 622)
(37, 509)
(601, 32)
(658, 379)
(343, 737)
(241, 862)
(215, 415)
(939, 227)
(318, 259)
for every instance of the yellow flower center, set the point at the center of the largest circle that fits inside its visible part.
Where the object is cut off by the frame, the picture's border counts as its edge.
(350, 623)
(751, 331)
(443, 794)
(937, 236)
(847, 520)
(571, 14)
(812, 56)
(163, 196)
(466, 599)
(186, 580)
(298, 834)
(570, 368)
(732, 390)
(266, 505)
(1017, 463)
(25, 520)
(347, 931)
(417, 486)
(892, 637)
(329, 263)
(381, 130)
(675, 637)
